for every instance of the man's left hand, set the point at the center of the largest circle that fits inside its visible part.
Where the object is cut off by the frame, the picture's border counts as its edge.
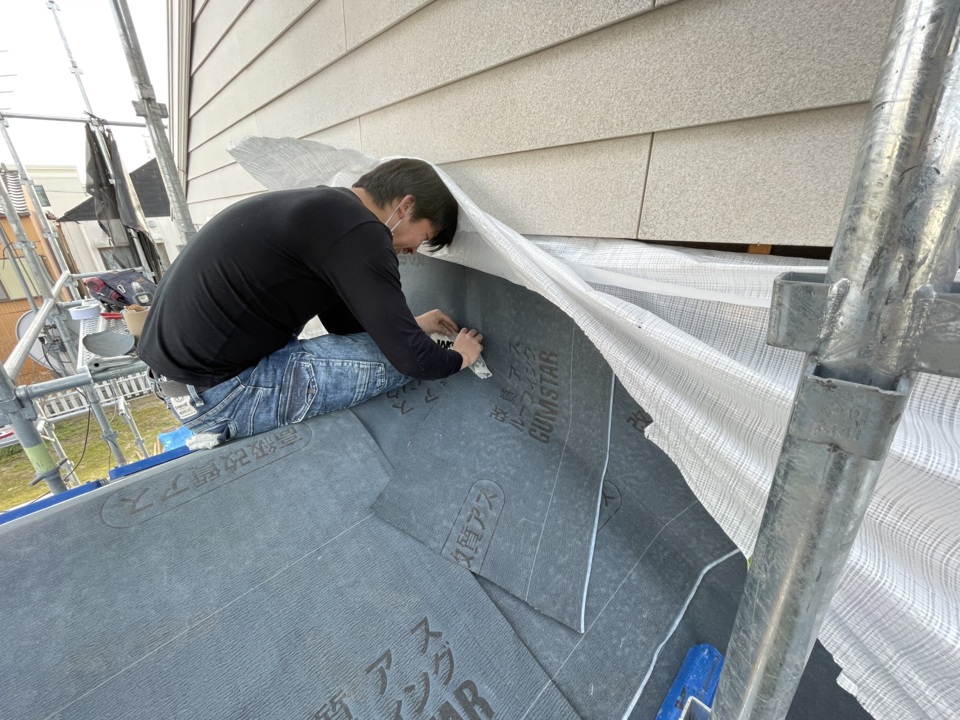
(437, 321)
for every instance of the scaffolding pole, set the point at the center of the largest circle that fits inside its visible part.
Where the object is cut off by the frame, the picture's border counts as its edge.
(97, 125)
(21, 351)
(20, 416)
(77, 72)
(51, 235)
(107, 433)
(65, 118)
(887, 307)
(153, 112)
(41, 277)
(25, 394)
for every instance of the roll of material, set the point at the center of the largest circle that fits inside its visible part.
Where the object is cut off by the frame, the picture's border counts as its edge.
(85, 310)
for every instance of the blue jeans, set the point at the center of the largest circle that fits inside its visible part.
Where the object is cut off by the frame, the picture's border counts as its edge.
(303, 379)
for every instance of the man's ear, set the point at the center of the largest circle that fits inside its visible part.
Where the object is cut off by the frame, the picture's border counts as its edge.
(407, 203)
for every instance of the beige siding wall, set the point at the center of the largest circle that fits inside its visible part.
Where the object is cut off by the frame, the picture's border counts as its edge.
(689, 121)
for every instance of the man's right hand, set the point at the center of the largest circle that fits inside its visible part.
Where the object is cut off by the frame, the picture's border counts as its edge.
(469, 344)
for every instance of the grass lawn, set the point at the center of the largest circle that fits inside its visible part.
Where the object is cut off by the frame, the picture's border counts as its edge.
(151, 416)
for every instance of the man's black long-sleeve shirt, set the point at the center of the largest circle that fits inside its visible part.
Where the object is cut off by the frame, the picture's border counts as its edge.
(259, 270)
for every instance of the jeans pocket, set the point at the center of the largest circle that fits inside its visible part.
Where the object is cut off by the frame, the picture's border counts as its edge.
(298, 389)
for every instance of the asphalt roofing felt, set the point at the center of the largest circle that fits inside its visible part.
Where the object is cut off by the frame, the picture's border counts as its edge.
(512, 547)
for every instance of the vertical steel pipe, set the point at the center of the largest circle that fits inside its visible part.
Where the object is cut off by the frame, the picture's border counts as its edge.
(16, 413)
(96, 125)
(41, 276)
(123, 410)
(108, 434)
(48, 431)
(49, 233)
(61, 282)
(74, 68)
(153, 113)
(897, 233)
(896, 250)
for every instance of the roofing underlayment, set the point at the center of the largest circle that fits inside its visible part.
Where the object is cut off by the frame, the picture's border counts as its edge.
(544, 543)
(268, 577)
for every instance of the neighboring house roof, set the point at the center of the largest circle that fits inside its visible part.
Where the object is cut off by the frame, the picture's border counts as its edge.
(150, 189)
(11, 179)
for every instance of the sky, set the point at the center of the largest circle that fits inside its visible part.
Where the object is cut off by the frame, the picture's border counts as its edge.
(32, 51)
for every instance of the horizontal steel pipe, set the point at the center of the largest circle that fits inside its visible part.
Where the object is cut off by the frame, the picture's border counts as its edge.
(63, 118)
(48, 387)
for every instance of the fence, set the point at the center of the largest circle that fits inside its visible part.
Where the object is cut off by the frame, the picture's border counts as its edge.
(68, 402)
(73, 402)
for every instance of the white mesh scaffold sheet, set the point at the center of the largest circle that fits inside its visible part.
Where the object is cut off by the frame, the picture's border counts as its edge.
(685, 332)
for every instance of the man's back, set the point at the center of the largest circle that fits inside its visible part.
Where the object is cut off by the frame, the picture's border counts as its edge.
(252, 276)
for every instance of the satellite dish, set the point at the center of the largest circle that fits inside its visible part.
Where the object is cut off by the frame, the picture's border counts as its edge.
(53, 360)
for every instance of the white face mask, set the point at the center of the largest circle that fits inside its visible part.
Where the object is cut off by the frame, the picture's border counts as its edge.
(398, 221)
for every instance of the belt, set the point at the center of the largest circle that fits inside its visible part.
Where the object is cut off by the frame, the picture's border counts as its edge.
(173, 388)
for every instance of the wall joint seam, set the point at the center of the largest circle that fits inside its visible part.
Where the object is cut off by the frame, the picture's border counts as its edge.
(646, 179)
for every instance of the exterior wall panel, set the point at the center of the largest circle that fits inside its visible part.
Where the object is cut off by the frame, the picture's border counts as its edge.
(752, 105)
(227, 182)
(778, 181)
(343, 135)
(211, 25)
(365, 18)
(313, 41)
(440, 44)
(203, 211)
(213, 154)
(591, 190)
(692, 63)
(258, 27)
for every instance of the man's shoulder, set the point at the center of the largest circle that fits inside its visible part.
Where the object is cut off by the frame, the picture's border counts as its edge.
(328, 199)
(337, 210)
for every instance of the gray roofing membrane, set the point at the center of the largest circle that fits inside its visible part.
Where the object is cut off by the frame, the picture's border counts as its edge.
(258, 579)
(251, 580)
(504, 474)
(653, 542)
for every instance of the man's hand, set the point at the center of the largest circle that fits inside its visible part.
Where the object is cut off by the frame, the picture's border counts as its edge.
(469, 344)
(437, 321)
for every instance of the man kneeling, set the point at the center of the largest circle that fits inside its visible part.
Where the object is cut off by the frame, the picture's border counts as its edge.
(221, 334)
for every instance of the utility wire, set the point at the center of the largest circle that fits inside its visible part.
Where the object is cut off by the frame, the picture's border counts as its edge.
(86, 435)
(86, 438)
